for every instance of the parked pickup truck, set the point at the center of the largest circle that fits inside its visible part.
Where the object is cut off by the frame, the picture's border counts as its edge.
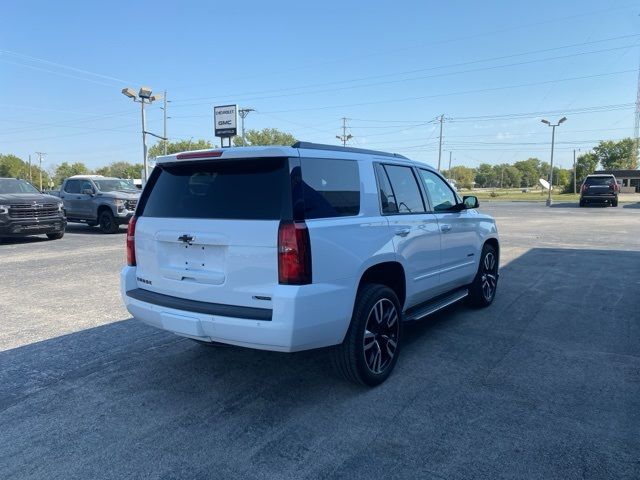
(97, 200)
(25, 211)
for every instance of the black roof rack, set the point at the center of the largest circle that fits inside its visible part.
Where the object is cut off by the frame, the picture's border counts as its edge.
(337, 148)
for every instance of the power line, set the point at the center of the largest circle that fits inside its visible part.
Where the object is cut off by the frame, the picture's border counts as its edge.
(451, 94)
(68, 67)
(249, 97)
(440, 42)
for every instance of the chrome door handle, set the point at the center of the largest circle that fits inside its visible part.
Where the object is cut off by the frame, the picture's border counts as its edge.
(445, 228)
(403, 232)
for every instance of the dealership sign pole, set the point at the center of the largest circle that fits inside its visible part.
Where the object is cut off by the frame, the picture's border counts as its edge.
(225, 121)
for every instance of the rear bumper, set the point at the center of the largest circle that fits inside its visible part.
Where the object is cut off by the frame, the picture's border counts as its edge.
(599, 198)
(31, 226)
(302, 317)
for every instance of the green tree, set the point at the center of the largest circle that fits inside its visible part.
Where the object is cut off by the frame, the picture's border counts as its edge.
(562, 176)
(13, 166)
(464, 176)
(512, 177)
(121, 170)
(529, 172)
(176, 147)
(485, 176)
(65, 170)
(616, 155)
(586, 164)
(266, 136)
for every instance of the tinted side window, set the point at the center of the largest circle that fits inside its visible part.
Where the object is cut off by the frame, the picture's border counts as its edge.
(331, 188)
(86, 186)
(405, 189)
(387, 198)
(72, 186)
(442, 197)
(247, 189)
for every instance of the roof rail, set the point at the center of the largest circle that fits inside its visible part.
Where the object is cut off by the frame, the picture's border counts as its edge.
(337, 148)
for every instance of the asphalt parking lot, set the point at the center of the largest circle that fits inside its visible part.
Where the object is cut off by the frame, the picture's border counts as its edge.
(543, 384)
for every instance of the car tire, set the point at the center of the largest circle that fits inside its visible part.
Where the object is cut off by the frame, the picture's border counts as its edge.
(108, 222)
(482, 290)
(370, 349)
(582, 204)
(614, 203)
(55, 236)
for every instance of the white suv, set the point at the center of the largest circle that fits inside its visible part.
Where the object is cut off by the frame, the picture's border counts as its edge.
(309, 246)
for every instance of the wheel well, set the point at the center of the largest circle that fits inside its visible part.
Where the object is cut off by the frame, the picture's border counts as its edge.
(494, 243)
(390, 274)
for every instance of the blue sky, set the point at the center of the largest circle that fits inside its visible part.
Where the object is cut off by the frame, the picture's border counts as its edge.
(305, 65)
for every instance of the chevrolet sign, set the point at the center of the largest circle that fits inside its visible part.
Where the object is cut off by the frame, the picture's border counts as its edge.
(225, 120)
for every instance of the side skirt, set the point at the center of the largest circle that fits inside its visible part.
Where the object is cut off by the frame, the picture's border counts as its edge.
(424, 309)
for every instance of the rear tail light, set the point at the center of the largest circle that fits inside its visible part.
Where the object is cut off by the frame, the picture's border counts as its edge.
(584, 188)
(131, 242)
(294, 254)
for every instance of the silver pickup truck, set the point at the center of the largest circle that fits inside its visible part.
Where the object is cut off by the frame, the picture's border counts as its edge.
(97, 200)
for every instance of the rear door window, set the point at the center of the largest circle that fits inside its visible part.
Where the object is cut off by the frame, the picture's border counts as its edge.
(244, 189)
(331, 188)
(405, 189)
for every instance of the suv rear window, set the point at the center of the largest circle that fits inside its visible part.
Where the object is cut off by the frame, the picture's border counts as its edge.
(245, 189)
(599, 181)
(331, 187)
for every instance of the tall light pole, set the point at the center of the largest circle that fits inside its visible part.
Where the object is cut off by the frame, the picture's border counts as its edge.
(143, 97)
(553, 137)
(243, 113)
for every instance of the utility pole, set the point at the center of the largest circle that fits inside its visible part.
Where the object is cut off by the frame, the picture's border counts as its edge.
(164, 134)
(440, 144)
(30, 180)
(344, 138)
(243, 113)
(40, 155)
(449, 171)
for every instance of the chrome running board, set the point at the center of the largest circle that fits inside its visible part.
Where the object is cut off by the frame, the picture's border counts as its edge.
(432, 306)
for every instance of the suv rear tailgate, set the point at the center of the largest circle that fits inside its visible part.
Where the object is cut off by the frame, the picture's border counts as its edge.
(207, 231)
(218, 261)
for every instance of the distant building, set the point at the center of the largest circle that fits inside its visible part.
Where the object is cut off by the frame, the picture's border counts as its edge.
(629, 180)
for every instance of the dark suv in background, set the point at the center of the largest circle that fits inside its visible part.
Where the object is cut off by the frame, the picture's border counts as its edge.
(599, 189)
(25, 211)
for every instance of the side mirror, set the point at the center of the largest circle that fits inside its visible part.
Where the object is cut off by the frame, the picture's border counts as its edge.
(88, 191)
(470, 201)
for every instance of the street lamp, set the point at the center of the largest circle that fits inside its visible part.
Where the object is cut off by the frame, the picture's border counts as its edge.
(144, 96)
(553, 137)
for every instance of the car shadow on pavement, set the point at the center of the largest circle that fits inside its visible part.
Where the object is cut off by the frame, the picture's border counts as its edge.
(544, 384)
(21, 240)
(81, 229)
(631, 205)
